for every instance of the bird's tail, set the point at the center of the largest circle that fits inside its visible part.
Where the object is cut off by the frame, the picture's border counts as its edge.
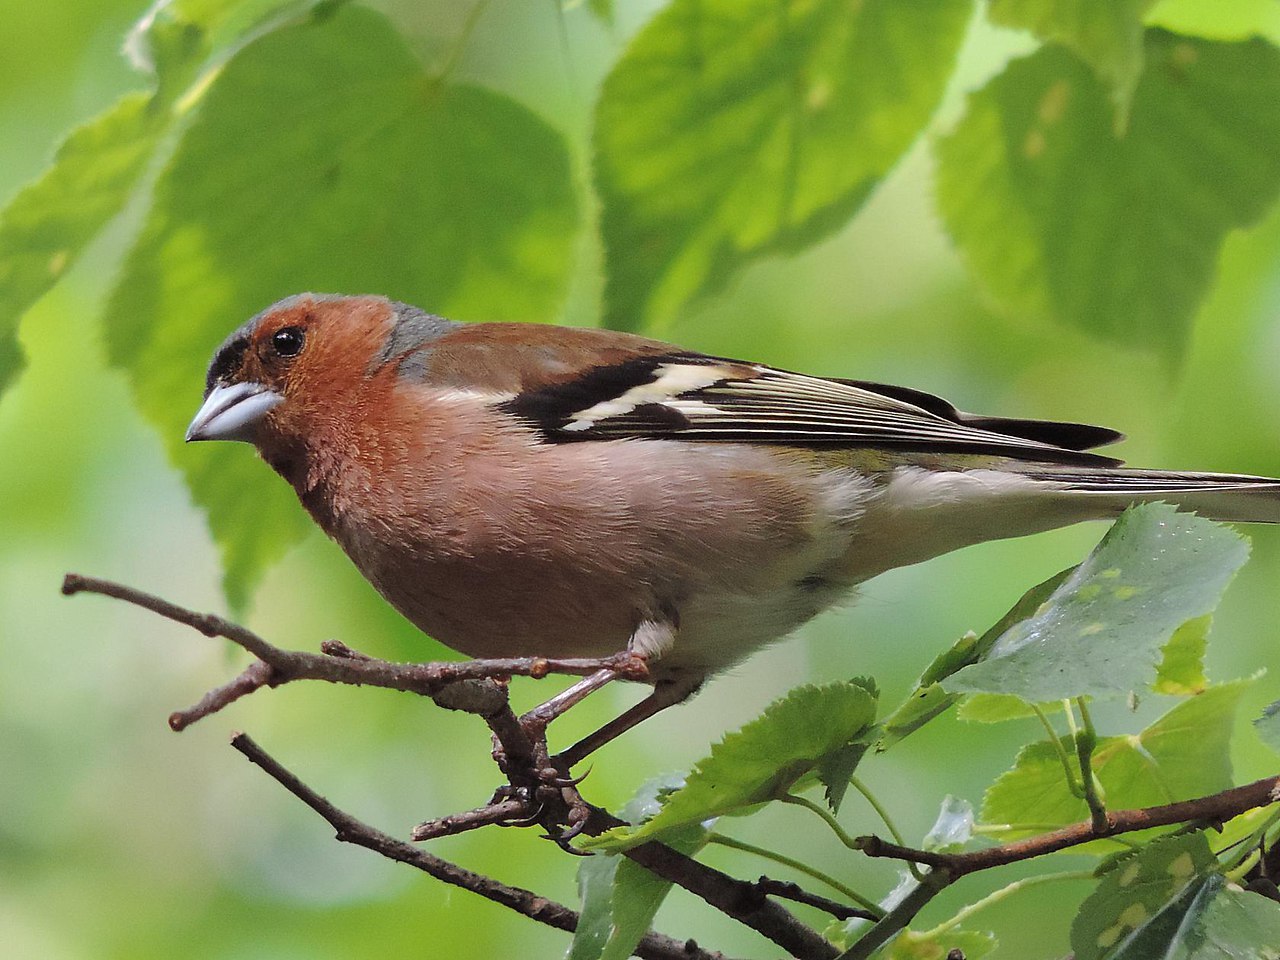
(1219, 496)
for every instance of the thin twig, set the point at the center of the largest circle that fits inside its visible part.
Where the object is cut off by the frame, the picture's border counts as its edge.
(738, 899)
(502, 812)
(800, 866)
(896, 920)
(340, 664)
(793, 891)
(1215, 808)
(350, 830)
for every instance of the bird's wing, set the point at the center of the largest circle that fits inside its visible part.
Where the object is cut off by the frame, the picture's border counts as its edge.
(690, 396)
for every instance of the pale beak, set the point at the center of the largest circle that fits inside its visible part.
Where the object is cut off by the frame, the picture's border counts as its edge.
(232, 412)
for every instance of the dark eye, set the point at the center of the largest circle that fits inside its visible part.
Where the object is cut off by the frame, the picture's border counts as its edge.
(287, 341)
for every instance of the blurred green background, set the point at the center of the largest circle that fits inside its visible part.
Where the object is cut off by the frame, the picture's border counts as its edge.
(120, 839)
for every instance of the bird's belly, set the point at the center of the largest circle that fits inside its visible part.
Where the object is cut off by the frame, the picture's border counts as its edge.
(516, 606)
(733, 546)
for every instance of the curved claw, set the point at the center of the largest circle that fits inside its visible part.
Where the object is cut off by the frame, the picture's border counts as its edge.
(563, 782)
(562, 840)
(525, 821)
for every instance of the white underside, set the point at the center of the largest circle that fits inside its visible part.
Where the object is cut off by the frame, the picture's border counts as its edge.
(919, 514)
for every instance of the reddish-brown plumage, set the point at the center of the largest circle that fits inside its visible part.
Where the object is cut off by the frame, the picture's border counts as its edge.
(500, 545)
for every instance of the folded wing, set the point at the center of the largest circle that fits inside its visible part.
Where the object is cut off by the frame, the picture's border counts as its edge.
(690, 396)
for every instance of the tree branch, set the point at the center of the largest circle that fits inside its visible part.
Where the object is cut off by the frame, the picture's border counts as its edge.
(1215, 808)
(653, 946)
(467, 686)
(788, 890)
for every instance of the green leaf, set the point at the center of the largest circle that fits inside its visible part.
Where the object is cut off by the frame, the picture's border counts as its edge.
(174, 36)
(909, 945)
(1233, 924)
(1210, 919)
(390, 181)
(1101, 631)
(620, 898)
(1059, 217)
(1182, 755)
(762, 761)
(602, 10)
(737, 128)
(1106, 34)
(1181, 671)
(836, 770)
(1137, 890)
(47, 225)
(929, 699)
(998, 707)
(595, 893)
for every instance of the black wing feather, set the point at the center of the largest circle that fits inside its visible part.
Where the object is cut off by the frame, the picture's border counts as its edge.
(717, 400)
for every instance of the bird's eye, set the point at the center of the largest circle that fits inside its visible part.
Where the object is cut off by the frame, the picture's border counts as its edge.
(287, 341)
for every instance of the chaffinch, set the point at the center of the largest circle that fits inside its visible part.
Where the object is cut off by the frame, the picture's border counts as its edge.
(523, 490)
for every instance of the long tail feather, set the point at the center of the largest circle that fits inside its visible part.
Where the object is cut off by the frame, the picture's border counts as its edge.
(1219, 496)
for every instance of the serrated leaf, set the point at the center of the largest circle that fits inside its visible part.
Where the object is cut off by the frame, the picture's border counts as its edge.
(1101, 632)
(1182, 755)
(760, 762)
(909, 945)
(1106, 34)
(1059, 217)
(620, 898)
(929, 699)
(1181, 669)
(447, 196)
(836, 770)
(732, 129)
(46, 226)
(1136, 891)
(953, 828)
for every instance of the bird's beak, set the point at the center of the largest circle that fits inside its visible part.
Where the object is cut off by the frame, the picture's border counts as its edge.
(232, 412)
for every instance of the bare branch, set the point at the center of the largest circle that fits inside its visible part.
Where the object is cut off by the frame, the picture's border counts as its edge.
(896, 920)
(348, 829)
(788, 890)
(1215, 808)
(743, 901)
(343, 665)
(468, 686)
(502, 813)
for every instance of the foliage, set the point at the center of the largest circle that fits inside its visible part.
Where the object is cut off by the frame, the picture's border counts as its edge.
(270, 146)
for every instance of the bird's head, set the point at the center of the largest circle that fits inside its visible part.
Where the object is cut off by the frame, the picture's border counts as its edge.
(300, 361)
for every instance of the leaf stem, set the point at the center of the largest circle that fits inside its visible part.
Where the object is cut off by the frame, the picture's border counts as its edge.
(863, 789)
(839, 831)
(878, 808)
(1056, 740)
(799, 866)
(995, 897)
(1094, 795)
(826, 815)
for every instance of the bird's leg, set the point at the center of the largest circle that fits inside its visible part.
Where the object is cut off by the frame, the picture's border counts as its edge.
(648, 642)
(665, 694)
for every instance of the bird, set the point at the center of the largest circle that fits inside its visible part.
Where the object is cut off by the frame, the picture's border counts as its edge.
(527, 490)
